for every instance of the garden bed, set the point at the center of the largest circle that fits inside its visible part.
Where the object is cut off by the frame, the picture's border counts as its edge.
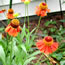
(53, 26)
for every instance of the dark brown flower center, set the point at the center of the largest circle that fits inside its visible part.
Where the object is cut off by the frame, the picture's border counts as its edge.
(15, 23)
(44, 4)
(14, 26)
(48, 38)
(10, 11)
(3, 10)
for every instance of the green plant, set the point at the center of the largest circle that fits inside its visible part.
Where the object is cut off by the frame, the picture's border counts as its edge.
(50, 22)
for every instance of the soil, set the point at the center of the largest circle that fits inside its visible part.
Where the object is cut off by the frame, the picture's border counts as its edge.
(34, 23)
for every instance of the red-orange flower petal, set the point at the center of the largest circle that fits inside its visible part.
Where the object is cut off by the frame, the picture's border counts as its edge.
(48, 10)
(40, 12)
(13, 28)
(47, 49)
(7, 29)
(42, 9)
(18, 29)
(10, 16)
(54, 46)
(13, 32)
(43, 13)
(3, 10)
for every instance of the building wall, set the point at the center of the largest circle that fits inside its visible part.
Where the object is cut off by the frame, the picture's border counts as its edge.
(53, 5)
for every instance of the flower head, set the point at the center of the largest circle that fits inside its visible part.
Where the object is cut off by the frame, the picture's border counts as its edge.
(10, 14)
(26, 2)
(42, 10)
(43, 5)
(47, 45)
(3, 10)
(13, 28)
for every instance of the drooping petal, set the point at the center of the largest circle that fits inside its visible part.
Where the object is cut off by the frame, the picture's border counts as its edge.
(47, 46)
(40, 45)
(43, 13)
(1, 11)
(54, 46)
(18, 29)
(7, 29)
(48, 10)
(37, 11)
(12, 32)
(10, 16)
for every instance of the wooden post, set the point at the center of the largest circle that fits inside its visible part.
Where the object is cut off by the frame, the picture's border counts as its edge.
(10, 5)
(45, 1)
(61, 9)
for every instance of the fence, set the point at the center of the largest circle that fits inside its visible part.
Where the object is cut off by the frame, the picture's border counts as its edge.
(53, 5)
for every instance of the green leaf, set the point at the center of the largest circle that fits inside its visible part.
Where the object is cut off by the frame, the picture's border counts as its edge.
(2, 55)
(47, 23)
(48, 63)
(32, 31)
(15, 50)
(54, 55)
(1, 29)
(3, 43)
(62, 62)
(24, 48)
(52, 29)
(62, 45)
(50, 22)
(29, 60)
(23, 33)
(35, 53)
(59, 56)
(62, 20)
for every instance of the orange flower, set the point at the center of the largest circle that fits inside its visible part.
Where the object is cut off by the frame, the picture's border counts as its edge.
(26, 1)
(42, 10)
(3, 10)
(43, 5)
(47, 45)
(13, 28)
(10, 14)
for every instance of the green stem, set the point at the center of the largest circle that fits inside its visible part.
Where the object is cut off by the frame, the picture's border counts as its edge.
(44, 60)
(39, 59)
(45, 1)
(28, 16)
(25, 14)
(38, 23)
(11, 53)
(8, 21)
(10, 6)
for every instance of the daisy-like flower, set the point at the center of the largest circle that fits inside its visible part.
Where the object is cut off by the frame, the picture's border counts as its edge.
(42, 9)
(3, 10)
(10, 14)
(47, 45)
(13, 28)
(26, 1)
